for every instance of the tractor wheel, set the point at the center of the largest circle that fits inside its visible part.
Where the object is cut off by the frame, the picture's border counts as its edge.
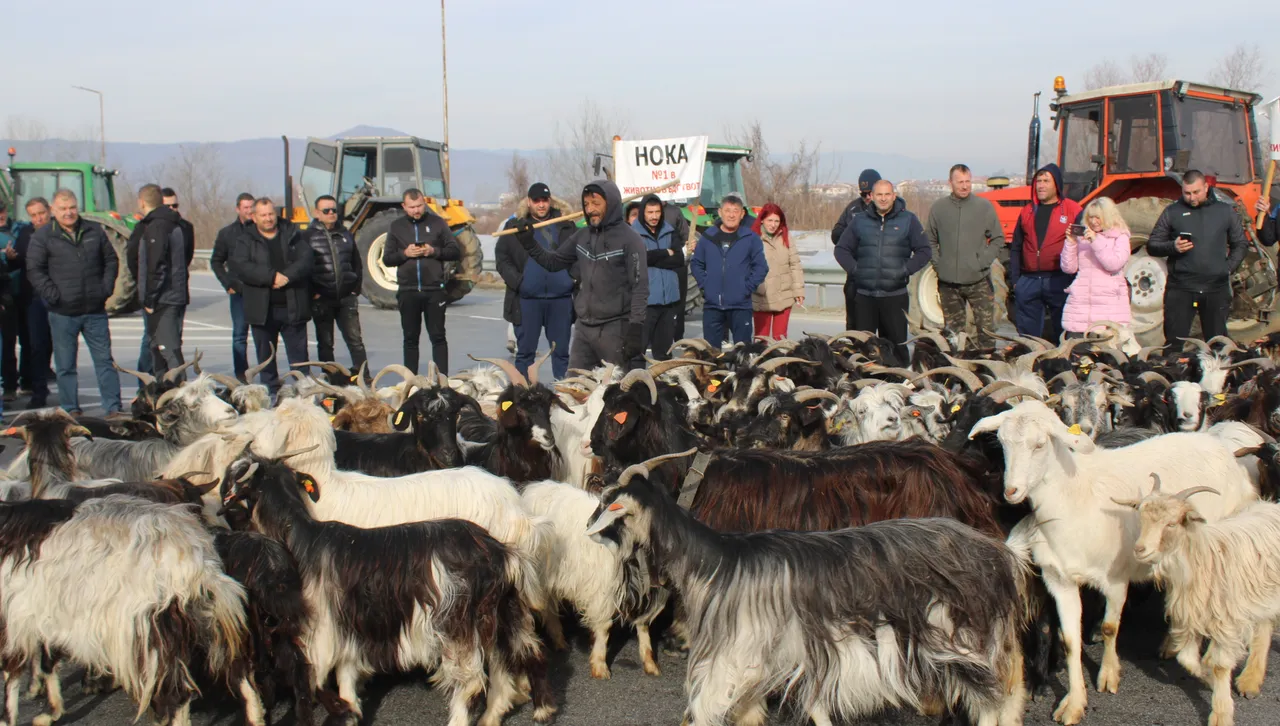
(380, 285)
(926, 303)
(466, 271)
(124, 299)
(1146, 274)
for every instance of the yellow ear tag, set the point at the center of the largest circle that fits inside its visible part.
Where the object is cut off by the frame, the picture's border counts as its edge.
(332, 419)
(309, 484)
(1075, 430)
(506, 405)
(955, 408)
(399, 417)
(615, 507)
(712, 386)
(1219, 396)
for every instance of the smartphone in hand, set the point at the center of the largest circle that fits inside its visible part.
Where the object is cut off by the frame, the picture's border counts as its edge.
(1077, 230)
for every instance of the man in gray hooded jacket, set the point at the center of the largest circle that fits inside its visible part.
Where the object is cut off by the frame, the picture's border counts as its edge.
(613, 277)
(965, 234)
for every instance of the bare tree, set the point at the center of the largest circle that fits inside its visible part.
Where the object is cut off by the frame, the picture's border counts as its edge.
(1148, 68)
(519, 175)
(1102, 74)
(788, 184)
(200, 178)
(1243, 69)
(577, 142)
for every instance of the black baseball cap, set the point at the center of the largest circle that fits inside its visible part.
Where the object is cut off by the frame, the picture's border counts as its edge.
(539, 191)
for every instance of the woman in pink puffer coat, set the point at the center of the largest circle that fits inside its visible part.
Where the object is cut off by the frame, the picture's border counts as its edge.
(1100, 291)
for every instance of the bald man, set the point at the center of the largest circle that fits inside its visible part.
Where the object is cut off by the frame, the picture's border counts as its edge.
(881, 249)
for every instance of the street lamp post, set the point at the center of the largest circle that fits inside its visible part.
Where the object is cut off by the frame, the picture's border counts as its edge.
(444, 71)
(102, 121)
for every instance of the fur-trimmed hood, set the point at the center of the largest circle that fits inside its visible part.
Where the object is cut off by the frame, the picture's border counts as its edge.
(522, 209)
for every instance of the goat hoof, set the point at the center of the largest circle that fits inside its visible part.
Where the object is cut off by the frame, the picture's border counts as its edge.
(1069, 711)
(600, 671)
(651, 668)
(1109, 680)
(1249, 685)
(543, 714)
(36, 689)
(1216, 719)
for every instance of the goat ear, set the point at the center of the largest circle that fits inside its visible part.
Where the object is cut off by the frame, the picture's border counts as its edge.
(310, 487)
(988, 424)
(1193, 516)
(400, 422)
(1077, 442)
(611, 514)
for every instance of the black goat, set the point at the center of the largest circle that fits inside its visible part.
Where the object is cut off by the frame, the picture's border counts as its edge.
(796, 421)
(150, 389)
(518, 444)
(432, 411)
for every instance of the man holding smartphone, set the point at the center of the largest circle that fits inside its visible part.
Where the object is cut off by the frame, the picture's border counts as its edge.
(1205, 243)
(419, 243)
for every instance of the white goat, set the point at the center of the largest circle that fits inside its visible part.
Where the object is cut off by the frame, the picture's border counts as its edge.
(1085, 538)
(1222, 581)
(877, 414)
(589, 575)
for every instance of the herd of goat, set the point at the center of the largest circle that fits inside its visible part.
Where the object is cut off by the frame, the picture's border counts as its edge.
(826, 526)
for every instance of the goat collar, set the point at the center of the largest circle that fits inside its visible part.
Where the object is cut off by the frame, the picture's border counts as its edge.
(692, 480)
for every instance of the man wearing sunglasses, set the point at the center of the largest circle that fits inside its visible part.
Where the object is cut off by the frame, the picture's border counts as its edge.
(336, 278)
(866, 182)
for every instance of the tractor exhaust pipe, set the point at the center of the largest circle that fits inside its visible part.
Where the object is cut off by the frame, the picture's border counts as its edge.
(288, 181)
(1033, 141)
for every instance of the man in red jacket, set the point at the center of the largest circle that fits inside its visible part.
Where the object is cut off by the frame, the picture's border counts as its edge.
(1039, 285)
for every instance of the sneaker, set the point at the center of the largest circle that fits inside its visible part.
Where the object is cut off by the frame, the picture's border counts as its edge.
(38, 401)
(117, 416)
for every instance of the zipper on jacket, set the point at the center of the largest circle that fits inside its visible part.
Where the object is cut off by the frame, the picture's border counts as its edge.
(418, 262)
(337, 272)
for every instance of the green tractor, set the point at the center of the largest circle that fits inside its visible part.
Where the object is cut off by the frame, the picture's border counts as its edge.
(368, 176)
(95, 188)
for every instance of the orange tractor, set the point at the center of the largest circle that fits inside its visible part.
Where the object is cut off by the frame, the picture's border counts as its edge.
(1132, 143)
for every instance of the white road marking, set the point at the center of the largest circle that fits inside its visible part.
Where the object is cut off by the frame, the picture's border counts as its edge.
(485, 317)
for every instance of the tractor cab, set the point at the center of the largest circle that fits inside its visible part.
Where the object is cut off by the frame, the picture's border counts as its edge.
(369, 175)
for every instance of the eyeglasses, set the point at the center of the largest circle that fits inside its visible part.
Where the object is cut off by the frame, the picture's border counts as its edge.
(172, 206)
(328, 210)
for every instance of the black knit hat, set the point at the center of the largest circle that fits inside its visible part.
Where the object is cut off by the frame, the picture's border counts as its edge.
(539, 191)
(867, 180)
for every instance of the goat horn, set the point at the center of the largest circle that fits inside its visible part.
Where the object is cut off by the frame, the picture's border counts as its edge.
(1000, 369)
(862, 383)
(820, 336)
(1095, 377)
(663, 366)
(396, 368)
(1004, 394)
(937, 339)
(1229, 344)
(537, 363)
(172, 376)
(1032, 343)
(1155, 483)
(960, 362)
(325, 365)
(361, 383)
(970, 381)
(1064, 350)
(248, 473)
(342, 392)
(1266, 437)
(196, 363)
(643, 376)
(432, 370)
(777, 345)
(876, 370)
(1144, 353)
(253, 372)
(1116, 353)
(297, 452)
(645, 467)
(512, 374)
(698, 343)
(772, 364)
(1069, 376)
(1027, 361)
(166, 397)
(1153, 377)
(226, 380)
(146, 378)
(1200, 345)
(1111, 325)
(994, 386)
(811, 394)
(1261, 362)
(1131, 503)
(861, 336)
(192, 474)
(1186, 493)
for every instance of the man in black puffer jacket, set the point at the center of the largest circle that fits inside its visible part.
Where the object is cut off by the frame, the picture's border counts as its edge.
(613, 294)
(1204, 241)
(336, 279)
(881, 249)
(158, 260)
(419, 243)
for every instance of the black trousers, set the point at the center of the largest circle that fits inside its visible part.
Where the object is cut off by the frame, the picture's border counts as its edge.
(850, 305)
(416, 307)
(164, 331)
(13, 333)
(265, 336)
(41, 357)
(345, 312)
(594, 345)
(886, 317)
(1182, 306)
(660, 329)
(684, 301)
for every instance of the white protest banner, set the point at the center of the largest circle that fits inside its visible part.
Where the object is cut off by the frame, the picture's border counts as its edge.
(643, 165)
(1272, 109)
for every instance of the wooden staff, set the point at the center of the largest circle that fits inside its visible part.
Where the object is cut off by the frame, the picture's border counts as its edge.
(575, 215)
(1266, 191)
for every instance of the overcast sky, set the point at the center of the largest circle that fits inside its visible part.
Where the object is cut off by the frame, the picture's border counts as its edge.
(927, 79)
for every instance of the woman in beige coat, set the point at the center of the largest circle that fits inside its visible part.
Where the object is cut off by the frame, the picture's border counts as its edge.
(784, 285)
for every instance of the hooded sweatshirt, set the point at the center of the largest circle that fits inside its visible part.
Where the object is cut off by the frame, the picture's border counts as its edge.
(612, 271)
(1041, 231)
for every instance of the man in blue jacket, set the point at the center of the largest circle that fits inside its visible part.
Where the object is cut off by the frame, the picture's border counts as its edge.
(728, 265)
(537, 299)
(665, 256)
(881, 249)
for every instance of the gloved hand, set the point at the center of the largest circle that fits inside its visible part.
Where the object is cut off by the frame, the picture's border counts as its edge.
(633, 344)
(524, 233)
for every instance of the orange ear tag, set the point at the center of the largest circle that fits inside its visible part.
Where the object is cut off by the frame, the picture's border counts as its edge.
(915, 413)
(309, 485)
(620, 417)
(506, 405)
(712, 386)
(615, 507)
(11, 432)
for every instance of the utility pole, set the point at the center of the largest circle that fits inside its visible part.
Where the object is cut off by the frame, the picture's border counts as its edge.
(102, 122)
(444, 70)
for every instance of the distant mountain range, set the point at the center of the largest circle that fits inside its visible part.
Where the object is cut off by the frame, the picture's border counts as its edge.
(478, 175)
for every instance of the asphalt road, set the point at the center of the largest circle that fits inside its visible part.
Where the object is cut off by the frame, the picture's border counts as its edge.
(1151, 692)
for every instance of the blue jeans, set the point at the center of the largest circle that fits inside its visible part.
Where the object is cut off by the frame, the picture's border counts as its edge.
(555, 315)
(716, 323)
(239, 337)
(66, 330)
(1039, 295)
